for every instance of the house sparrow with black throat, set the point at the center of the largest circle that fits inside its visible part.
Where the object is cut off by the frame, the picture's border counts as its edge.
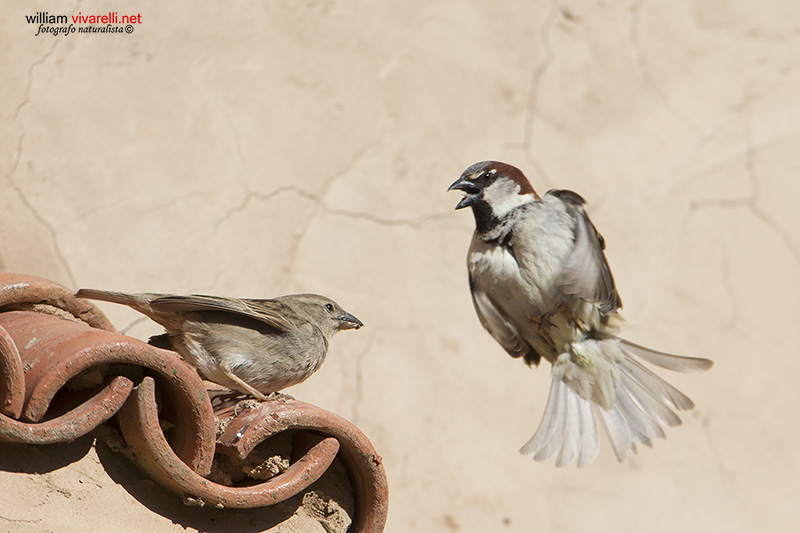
(542, 288)
(256, 347)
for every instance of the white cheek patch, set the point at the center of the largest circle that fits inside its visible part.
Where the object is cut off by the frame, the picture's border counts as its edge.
(503, 196)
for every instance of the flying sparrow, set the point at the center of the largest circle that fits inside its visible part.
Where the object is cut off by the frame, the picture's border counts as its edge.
(542, 288)
(252, 346)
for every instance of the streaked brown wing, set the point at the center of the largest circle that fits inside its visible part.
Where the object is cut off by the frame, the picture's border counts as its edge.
(271, 312)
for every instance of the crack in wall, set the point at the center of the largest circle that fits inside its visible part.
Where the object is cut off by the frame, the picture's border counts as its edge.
(97, 207)
(237, 144)
(414, 222)
(647, 75)
(242, 158)
(357, 157)
(777, 229)
(237, 140)
(750, 165)
(750, 202)
(535, 87)
(27, 95)
(152, 208)
(299, 233)
(318, 198)
(37, 215)
(358, 397)
(705, 423)
(135, 322)
(727, 286)
(18, 158)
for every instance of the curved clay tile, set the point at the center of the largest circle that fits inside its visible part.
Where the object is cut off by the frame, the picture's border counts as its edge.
(64, 371)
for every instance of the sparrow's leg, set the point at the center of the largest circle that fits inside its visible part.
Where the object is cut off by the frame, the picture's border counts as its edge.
(258, 395)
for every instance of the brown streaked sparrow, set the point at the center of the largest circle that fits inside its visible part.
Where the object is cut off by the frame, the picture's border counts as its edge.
(542, 288)
(252, 346)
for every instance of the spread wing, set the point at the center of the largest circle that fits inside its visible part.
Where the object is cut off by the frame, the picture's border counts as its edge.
(271, 312)
(586, 274)
(501, 329)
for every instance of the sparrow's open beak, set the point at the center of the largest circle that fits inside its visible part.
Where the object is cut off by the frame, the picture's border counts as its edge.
(470, 192)
(348, 321)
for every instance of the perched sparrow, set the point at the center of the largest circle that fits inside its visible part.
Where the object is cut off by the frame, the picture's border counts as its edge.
(252, 346)
(542, 288)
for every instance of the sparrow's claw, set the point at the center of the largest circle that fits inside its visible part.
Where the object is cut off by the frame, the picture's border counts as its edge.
(544, 319)
(245, 405)
(251, 403)
(544, 322)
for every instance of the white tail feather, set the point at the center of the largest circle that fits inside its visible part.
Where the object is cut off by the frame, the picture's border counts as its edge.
(635, 413)
(642, 406)
(590, 444)
(571, 444)
(654, 385)
(558, 425)
(676, 363)
(548, 423)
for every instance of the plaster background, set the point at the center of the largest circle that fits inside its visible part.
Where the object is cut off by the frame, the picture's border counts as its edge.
(257, 149)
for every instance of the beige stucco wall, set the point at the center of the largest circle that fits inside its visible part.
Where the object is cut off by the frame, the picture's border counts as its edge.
(261, 148)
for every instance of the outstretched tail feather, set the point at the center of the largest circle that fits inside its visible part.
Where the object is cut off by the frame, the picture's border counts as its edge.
(654, 385)
(139, 302)
(106, 296)
(590, 444)
(547, 425)
(617, 431)
(554, 438)
(642, 407)
(676, 363)
(136, 301)
(571, 444)
(635, 413)
(567, 430)
(652, 405)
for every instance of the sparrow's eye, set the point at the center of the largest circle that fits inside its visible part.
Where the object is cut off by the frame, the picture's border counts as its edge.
(329, 307)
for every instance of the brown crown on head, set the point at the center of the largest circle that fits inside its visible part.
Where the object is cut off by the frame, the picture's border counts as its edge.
(512, 173)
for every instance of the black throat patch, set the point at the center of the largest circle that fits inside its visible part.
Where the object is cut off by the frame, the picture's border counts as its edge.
(485, 219)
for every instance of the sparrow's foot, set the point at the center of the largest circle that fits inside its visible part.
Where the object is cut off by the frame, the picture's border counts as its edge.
(245, 405)
(251, 403)
(543, 322)
(278, 397)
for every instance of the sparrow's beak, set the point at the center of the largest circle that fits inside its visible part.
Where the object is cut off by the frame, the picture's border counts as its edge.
(470, 190)
(348, 321)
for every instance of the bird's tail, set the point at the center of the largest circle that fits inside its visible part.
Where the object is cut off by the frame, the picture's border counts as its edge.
(613, 389)
(139, 302)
